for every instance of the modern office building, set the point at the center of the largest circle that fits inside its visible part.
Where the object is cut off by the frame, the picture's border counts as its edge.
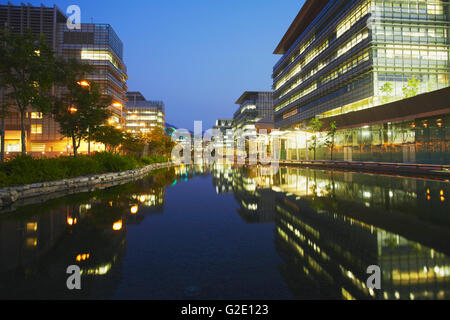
(225, 127)
(253, 107)
(341, 57)
(143, 115)
(95, 44)
(99, 46)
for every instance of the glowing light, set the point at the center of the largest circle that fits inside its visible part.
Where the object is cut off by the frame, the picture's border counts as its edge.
(442, 199)
(117, 226)
(84, 83)
(82, 257)
(71, 221)
(73, 110)
(134, 209)
(117, 105)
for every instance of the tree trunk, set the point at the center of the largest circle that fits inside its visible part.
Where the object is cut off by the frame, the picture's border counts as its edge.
(22, 128)
(2, 151)
(89, 141)
(74, 145)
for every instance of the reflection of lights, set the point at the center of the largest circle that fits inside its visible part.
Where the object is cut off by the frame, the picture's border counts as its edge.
(82, 257)
(32, 242)
(442, 199)
(428, 198)
(117, 226)
(32, 227)
(98, 271)
(134, 209)
(71, 221)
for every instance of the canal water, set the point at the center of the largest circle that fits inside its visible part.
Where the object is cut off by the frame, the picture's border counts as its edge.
(234, 233)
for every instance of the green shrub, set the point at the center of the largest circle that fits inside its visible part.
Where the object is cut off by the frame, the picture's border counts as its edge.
(110, 162)
(153, 159)
(27, 170)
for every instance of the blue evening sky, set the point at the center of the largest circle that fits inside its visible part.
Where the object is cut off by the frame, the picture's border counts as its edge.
(198, 56)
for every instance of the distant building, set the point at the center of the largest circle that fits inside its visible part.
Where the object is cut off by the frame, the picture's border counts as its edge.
(253, 107)
(143, 115)
(225, 127)
(95, 44)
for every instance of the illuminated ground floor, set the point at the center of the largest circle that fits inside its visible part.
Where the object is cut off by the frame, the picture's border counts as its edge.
(39, 147)
(415, 130)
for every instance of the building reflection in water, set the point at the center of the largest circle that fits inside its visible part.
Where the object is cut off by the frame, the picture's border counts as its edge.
(87, 230)
(330, 226)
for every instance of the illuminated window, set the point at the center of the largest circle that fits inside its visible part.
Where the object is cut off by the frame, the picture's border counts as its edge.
(36, 129)
(36, 115)
(98, 55)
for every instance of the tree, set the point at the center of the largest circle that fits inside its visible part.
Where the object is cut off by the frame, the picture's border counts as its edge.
(315, 126)
(331, 134)
(159, 142)
(387, 90)
(133, 144)
(79, 110)
(411, 88)
(26, 73)
(110, 136)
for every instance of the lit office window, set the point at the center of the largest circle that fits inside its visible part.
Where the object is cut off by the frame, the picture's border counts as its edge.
(36, 129)
(36, 115)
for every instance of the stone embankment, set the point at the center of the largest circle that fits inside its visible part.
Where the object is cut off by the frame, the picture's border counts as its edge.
(41, 192)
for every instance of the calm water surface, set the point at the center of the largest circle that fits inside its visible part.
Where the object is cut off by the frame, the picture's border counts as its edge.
(234, 233)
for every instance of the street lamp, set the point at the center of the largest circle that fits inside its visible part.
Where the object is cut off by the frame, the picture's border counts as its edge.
(84, 83)
(73, 110)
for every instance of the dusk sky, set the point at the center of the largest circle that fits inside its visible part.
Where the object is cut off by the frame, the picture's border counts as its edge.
(197, 56)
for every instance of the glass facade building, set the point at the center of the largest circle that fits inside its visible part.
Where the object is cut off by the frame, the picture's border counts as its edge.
(99, 46)
(143, 115)
(95, 44)
(253, 107)
(225, 127)
(343, 56)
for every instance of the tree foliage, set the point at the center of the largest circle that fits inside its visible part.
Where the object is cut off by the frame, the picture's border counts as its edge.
(26, 73)
(411, 88)
(158, 142)
(110, 136)
(79, 112)
(315, 126)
